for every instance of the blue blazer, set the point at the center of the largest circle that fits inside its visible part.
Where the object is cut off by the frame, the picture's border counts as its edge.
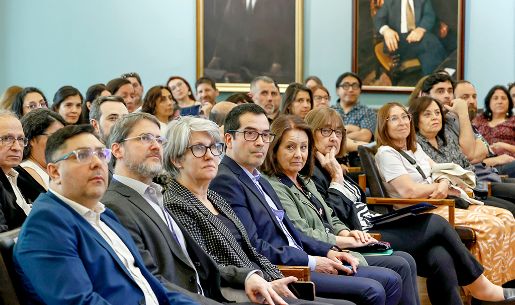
(61, 259)
(264, 231)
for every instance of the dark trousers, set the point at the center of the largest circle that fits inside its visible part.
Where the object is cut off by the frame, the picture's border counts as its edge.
(440, 255)
(405, 266)
(429, 51)
(369, 286)
(507, 169)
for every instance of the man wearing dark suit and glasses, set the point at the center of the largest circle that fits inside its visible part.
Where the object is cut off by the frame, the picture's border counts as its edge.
(71, 249)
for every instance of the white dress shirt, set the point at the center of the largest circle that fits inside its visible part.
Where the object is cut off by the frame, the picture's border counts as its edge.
(12, 176)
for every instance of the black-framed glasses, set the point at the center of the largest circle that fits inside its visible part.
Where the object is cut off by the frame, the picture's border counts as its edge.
(327, 132)
(398, 119)
(85, 155)
(36, 105)
(9, 140)
(200, 150)
(252, 135)
(319, 98)
(148, 138)
(346, 86)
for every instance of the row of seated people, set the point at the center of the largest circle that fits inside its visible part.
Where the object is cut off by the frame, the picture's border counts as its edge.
(253, 141)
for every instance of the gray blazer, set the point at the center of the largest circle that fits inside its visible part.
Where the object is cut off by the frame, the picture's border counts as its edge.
(161, 253)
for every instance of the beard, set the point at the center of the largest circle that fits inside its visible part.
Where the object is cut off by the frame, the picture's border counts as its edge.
(472, 113)
(142, 168)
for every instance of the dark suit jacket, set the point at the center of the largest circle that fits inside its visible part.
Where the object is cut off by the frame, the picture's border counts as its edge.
(62, 259)
(11, 215)
(161, 253)
(390, 14)
(265, 232)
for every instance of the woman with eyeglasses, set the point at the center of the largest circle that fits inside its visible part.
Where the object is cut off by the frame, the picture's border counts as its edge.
(494, 227)
(321, 96)
(440, 254)
(159, 102)
(38, 125)
(28, 99)
(289, 166)
(298, 100)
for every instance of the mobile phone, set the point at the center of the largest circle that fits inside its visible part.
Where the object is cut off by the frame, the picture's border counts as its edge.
(348, 267)
(303, 290)
(192, 110)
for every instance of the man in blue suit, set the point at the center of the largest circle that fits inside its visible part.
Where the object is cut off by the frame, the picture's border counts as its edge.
(71, 249)
(406, 28)
(247, 135)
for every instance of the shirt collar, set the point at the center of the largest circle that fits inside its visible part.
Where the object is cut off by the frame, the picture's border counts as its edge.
(255, 175)
(12, 174)
(138, 186)
(79, 208)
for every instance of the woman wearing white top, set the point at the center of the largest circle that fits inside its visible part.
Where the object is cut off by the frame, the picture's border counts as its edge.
(38, 125)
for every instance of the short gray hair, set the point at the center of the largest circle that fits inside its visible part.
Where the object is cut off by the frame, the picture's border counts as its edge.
(124, 125)
(178, 136)
(8, 113)
(265, 79)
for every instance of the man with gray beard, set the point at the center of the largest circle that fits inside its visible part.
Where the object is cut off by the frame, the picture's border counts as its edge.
(167, 250)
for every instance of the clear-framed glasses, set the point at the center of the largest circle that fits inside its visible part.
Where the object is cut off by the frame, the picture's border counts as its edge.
(319, 98)
(429, 114)
(346, 86)
(9, 140)
(84, 155)
(327, 132)
(200, 150)
(252, 135)
(148, 138)
(394, 119)
(36, 105)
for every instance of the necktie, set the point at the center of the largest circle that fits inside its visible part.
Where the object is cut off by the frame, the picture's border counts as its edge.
(151, 193)
(410, 17)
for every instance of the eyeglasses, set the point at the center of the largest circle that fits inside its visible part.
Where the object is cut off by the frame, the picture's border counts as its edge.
(397, 120)
(176, 86)
(9, 141)
(429, 114)
(36, 105)
(252, 135)
(200, 150)
(327, 132)
(85, 155)
(346, 86)
(319, 98)
(148, 138)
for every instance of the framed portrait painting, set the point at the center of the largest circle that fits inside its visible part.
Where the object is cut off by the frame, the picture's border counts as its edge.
(396, 42)
(238, 40)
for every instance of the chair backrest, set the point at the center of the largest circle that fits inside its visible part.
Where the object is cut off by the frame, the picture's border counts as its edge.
(375, 183)
(8, 280)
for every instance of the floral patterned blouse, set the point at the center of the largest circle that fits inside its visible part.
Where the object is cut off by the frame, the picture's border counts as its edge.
(503, 132)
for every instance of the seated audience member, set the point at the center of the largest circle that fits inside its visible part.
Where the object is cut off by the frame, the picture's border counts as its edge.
(28, 99)
(442, 146)
(104, 112)
(297, 100)
(38, 125)
(68, 103)
(8, 96)
(206, 94)
(239, 98)
(440, 254)
(497, 123)
(265, 94)
(92, 93)
(219, 113)
(182, 93)
(289, 165)
(135, 80)
(95, 260)
(167, 249)
(312, 81)
(15, 190)
(159, 102)
(360, 121)
(511, 89)
(123, 88)
(321, 96)
(494, 227)
(247, 136)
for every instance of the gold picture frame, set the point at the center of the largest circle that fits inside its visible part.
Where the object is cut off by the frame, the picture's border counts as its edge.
(220, 34)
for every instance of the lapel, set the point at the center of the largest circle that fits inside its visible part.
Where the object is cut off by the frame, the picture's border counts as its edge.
(418, 10)
(140, 203)
(88, 229)
(249, 184)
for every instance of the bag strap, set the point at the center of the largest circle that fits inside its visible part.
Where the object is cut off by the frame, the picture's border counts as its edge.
(413, 162)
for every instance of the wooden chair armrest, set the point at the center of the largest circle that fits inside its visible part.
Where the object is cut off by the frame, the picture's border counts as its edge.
(354, 169)
(447, 202)
(489, 185)
(375, 235)
(362, 182)
(303, 273)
